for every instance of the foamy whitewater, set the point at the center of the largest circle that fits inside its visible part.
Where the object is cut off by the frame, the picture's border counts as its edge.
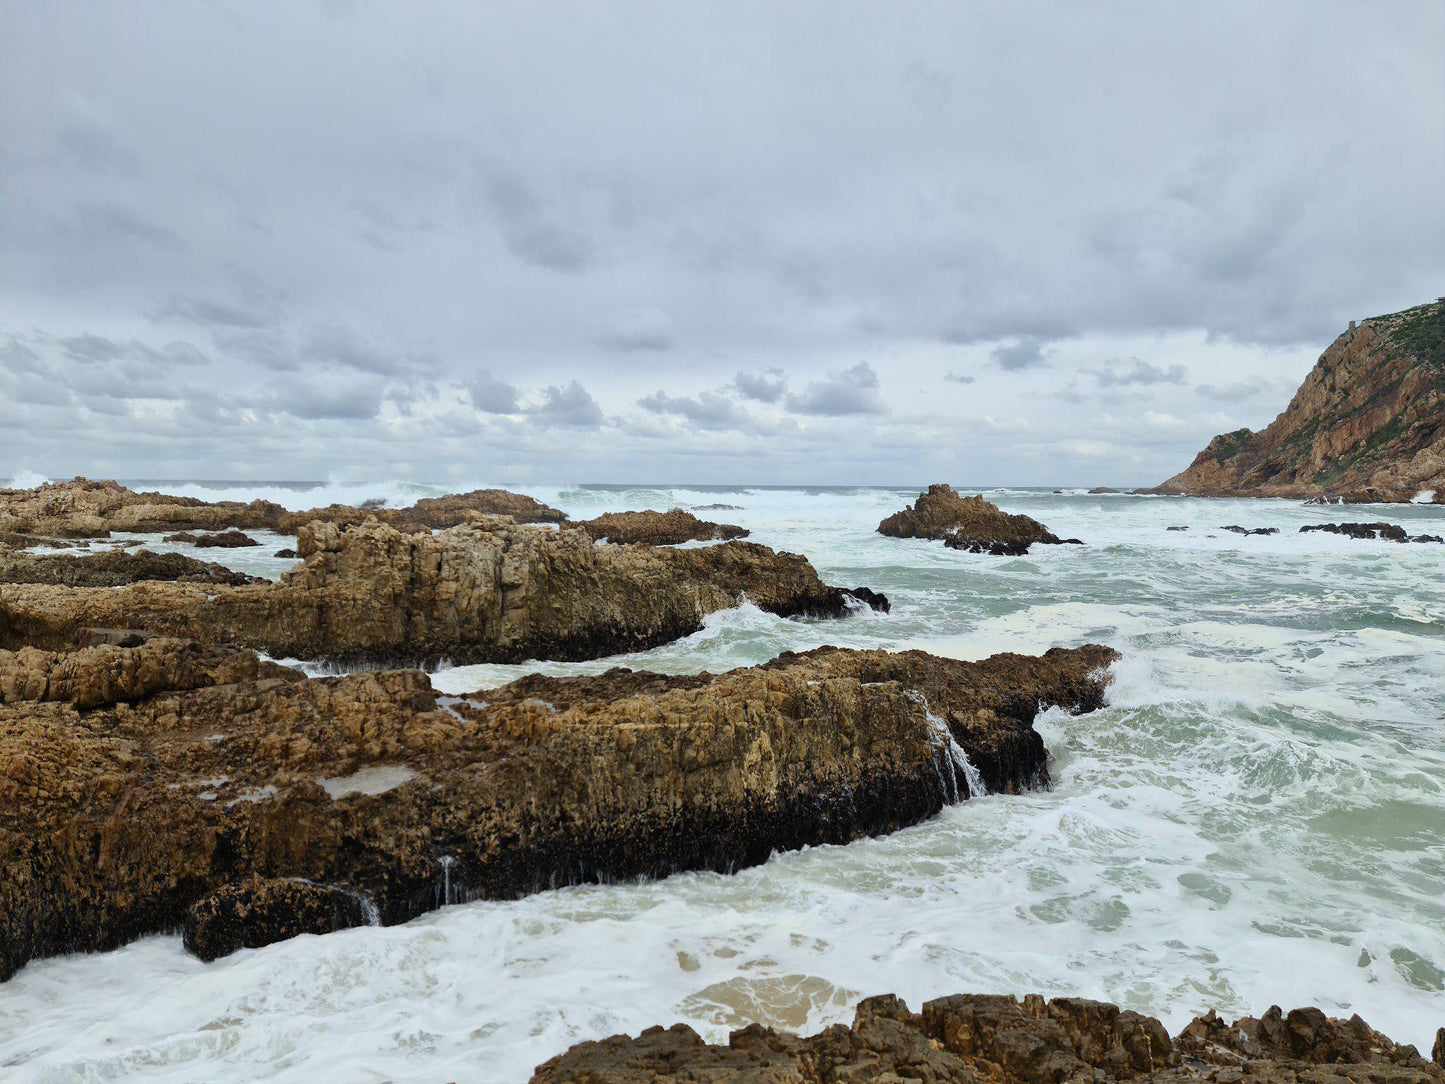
(1257, 817)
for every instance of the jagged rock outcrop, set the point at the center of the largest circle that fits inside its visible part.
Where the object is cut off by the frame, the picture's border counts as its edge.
(488, 591)
(994, 1039)
(1390, 532)
(82, 508)
(658, 528)
(214, 540)
(136, 783)
(968, 523)
(114, 568)
(1367, 424)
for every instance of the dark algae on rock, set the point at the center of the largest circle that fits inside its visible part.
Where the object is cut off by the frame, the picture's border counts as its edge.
(170, 785)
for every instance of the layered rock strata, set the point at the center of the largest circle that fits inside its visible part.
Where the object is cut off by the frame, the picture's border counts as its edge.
(168, 785)
(992, 1039)
(968, 523)
(1367, 424)
(82, 508)
(488, 591)
(114, 568)
(659, 528)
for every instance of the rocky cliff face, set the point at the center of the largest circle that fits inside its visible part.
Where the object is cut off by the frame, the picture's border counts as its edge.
(148, 787)
(968, 523)
(82, 508)
(983, 1039)
(490, 590)
(1368, 423)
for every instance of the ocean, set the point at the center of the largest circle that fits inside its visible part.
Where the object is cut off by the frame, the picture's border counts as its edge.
(1257, 816)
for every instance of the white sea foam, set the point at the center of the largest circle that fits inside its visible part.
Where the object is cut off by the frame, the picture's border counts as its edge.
(1256, 816)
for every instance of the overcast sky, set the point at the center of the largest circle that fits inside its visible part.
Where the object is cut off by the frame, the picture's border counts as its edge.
(688, 242)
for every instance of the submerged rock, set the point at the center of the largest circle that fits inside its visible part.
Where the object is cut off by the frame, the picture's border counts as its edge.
(968, 523)
(1236, 529)
(488, 591)
(114, 568)
(137, 782)
(659, 528)
(220, 539)
(996, 1039)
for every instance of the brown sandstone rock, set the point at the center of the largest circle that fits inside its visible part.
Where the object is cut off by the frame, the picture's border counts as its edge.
(259, 913)
(983, 1039)
(137, 782)
(488, 591)
(82, 508)
(658, 528)
(967, 523)
(113, 569)
(1367, 424)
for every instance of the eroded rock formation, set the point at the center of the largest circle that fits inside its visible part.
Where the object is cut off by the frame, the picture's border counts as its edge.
(659, 528)
(165, 784)
(968, 523)
(488, 591)
(82, 508)
(214, 540)
(992, 1039)
(113, 568)
(1367, 424)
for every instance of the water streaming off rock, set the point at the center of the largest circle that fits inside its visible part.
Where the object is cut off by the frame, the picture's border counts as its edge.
(1257, 816)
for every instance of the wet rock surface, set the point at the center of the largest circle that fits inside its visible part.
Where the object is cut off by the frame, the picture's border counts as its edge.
(260, 912)
(114, 568)
(136, 783)
(214, 540)
(991, 1039)
(490, 590)
(1235, 528)
(659, 528)
(1390, 532)
(968, 523)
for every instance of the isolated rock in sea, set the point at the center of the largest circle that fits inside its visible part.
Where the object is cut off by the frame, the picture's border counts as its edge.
(137, 783)
(1367, 424)
(220, 539)
(968, 523)
(658, 528)
(490, 590)
(82, 508)
(996, 1039)
(114, 568)
(1390, 532)
(1235, 528)
(1100, 490)
(287, 554)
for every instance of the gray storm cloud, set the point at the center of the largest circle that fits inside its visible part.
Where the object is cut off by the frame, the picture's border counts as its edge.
(749, 242)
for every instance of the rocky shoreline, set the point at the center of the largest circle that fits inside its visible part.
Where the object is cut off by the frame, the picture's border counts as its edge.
(137, 782)
(489, 590)
(977, 1038)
